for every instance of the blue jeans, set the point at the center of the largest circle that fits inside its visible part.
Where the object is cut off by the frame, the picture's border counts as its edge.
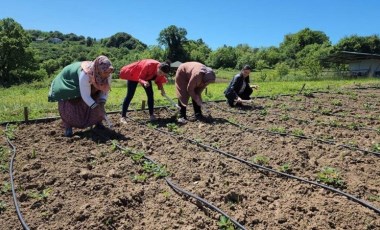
(131, 89)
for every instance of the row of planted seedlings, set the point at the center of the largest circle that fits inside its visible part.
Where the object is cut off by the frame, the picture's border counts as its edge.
(343, 124)
(359, 105)
(312, 154)
(94, 184)
(348, 134)
(265, 200)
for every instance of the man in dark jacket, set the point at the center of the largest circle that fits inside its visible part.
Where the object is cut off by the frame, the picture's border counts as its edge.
(239, 88)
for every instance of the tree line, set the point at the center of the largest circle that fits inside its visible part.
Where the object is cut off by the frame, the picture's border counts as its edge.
(30, 55)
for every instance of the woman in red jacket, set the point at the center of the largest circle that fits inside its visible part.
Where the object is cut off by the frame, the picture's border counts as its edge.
(143, 72)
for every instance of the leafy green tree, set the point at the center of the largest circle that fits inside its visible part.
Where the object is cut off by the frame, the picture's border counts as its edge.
(355, 43)
(173, 38)
(197, 50)
(125, 40)
(89, 41)
(294, 43)
(245, 56)
(282, 69)
(15, 56)
(223, 57)
(310, 59)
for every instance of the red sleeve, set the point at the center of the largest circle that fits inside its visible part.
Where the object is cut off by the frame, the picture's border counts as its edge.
(160, 80)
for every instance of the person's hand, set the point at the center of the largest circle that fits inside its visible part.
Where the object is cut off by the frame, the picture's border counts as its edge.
(144, 83)
(163, 92)
(238, 99)
(254, 86)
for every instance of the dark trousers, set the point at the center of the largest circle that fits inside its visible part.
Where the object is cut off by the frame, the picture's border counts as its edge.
(196, 107)
(131, 89)
(245, 95)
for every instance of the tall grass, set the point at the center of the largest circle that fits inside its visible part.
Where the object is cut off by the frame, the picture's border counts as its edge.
(34, 96)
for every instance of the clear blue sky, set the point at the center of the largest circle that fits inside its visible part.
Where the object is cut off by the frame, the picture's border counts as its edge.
(258, 23)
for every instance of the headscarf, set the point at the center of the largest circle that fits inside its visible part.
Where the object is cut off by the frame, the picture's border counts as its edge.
(95, 69)
(209, 76)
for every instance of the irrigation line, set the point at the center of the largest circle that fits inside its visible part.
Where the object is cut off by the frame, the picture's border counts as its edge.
(302, 137)
(204, 202)
(349, 196)
(19, 215)
(306, 137)
(179, 190)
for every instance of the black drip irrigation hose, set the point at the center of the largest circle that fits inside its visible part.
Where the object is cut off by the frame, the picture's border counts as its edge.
(19, 215)
(301, 137)
(179, 190)
(174, 187)
(349, 196)
(306, 137)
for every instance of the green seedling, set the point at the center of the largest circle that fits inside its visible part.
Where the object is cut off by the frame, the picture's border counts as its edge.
(298, 132)
(326, 137)
(232, 120)
(114, 144)
(354, 126)
(127, 151)
(280, 130)
(263, 112)
(172, 127)
(308, 94)
(215, 145)
(3, 206)
(152, 126)
(157, 170)
(353, 97)
(138, 157)
(110, 222)
(315, 109)
(336, 102)
(374, 198)
(326, 111)
(378, 130)
(284, 117)
(284, 107)
(330, 176)
(140, 177)
(225, 223)
(297, 99)
(286, 168)
(41, 196)
(33, 155)
(198, 140)
(160, 172)
(103, 154)
(9, 133)
(353, 143)
(334, 123)
(4, 156)
(149, 166)
(273, 97)
(368, 106)
(376, 147)
(261, 160)
(166, 194)
(6, 187)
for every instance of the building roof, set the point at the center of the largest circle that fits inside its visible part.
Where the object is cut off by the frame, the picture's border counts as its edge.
(175, 64)
(347, 57)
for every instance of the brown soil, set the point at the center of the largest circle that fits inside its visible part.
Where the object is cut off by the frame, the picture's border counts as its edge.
(92, 185)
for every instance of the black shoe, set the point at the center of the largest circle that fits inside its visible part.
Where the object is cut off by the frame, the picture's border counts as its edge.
(100, 126)
(199, 116)
(68, 132)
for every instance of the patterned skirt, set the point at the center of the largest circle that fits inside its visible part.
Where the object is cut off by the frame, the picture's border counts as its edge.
(77, 114)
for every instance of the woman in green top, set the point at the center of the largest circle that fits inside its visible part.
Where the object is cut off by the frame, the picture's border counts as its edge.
(81, 90)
